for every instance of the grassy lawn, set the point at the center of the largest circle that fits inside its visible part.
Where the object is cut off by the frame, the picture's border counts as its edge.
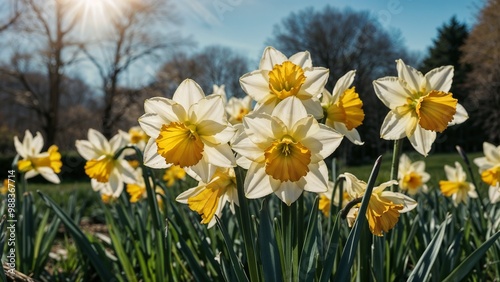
(434, 165)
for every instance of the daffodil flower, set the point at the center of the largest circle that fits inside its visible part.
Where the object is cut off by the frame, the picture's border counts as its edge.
(209, 198)
(5, 187)
(384, 207)
(279, 77)
(420, 105)
(33, 162)
(137, 190)
(107, 171)
(135, 136)
(172, 174)
(489, 165)
(343, 108)
(489, 168)
(325, 199)
(286, 151)
(237, 108)
(456, 186)
(189, 130)
(412, 176)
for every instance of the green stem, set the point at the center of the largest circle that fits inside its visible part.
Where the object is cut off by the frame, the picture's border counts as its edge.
(245, 223)
(396, 153)
(288, 222)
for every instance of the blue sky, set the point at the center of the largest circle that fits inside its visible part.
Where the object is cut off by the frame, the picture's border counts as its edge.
(245, 25)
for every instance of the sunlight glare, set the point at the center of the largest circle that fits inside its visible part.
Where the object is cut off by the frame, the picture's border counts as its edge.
(95, 16)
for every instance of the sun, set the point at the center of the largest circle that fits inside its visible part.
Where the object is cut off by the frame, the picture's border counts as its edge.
(94, 16)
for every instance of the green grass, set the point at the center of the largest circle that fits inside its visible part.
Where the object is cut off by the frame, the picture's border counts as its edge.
(434, 165)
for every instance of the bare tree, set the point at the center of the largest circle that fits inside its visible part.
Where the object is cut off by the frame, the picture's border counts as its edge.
(50, 48)
(212, 65)
(10, 12)
(482, 52)
(137, 33)
(343, 41)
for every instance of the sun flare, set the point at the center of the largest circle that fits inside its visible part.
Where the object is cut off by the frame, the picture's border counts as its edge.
(94, 16)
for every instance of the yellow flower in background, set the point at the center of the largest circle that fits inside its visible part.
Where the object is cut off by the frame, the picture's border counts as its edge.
(5, 187)
(137, 190)
(172, 174)
(107, 198)
(325, 199)
(343, 108)
(420, 105)
(135, 136)
(489, 165)
(108, 172)
(286, 152)
(412, 176)
(384, 206)
(189, 130)
(33, 162)
(237, 108)
(456, 186)
(208, 199)
(279, 77)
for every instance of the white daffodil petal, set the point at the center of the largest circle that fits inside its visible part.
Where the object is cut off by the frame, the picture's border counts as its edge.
(440, 78)
(220, 155)
(353, 186)
(289, 111)
(256, 85)
(304, 127)
(400, 199)
(259, 184)
(151, 123)
(491, 152)
(98, 141)
(413, 77)
(20, 148)
(313, 107)
(188, 93)
(259, 128)
(324, 142)
(394, 126)
(151, 157)
(271, 57)
(352, 135)
(37, 143)
(422, 140)
(316, 180)
(494, 194)
(184, 196)
(460, 116)
(343, 84)
(86, 149)
(391, 91)
(31, 173)
(288, 192)
(208, 109)
(243, 162)
(316, 79)
(204, 169)
(302, 59)
(245, 147)
(49, 174)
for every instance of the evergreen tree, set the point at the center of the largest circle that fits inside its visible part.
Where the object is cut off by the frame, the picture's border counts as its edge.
(447, 50)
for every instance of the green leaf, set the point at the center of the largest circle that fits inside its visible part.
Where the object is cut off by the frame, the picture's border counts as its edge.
(426, 261)
(310, 251)
(81, 240)
(465, 267)
(235, 262)
(269, 255)
(349, 252)
(333, 245)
